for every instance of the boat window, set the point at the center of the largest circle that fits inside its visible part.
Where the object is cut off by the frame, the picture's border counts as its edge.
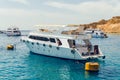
(80, 41)
(32, 37)
(15, 31)
(39, 38)
(87, 42)
(101, 33)
(71, 43)
(52, 40)
(44, 39)
(59, 42)
(9, 31)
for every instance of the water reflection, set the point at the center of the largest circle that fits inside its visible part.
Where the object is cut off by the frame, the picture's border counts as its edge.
(89, 75)
(54, 68)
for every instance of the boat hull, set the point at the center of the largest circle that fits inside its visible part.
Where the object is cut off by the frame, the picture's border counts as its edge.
(98, 36)
(13, 34)
(53, 51)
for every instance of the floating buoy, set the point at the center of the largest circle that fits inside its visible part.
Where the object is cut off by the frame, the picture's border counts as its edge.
(92, 66)
(10, 47)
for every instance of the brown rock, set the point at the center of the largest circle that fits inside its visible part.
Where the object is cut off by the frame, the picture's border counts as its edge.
(110, 26)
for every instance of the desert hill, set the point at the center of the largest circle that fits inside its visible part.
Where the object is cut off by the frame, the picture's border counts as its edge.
(110, 26)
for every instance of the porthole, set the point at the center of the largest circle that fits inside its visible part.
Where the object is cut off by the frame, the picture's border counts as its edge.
(57, 48)
(37, 43)
(44, 45)
(32, 43)
(73, 51)
(23, 40)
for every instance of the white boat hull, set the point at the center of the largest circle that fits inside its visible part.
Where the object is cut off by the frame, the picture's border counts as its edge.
(13, 34)
(96, 33)
(55, 51)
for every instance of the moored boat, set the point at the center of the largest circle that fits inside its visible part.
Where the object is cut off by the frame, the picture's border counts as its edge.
(14, 31)
(95, 33)
(52, 43)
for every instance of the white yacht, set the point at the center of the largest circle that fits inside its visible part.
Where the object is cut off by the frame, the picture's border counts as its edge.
(95, 33)
(52, 43)
(13, 32)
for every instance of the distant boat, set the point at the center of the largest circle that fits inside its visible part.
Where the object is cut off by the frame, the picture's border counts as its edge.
(95, 33)
(55, 44)
(13, 32)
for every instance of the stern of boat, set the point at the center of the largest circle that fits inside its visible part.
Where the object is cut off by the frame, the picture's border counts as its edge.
(90, 52)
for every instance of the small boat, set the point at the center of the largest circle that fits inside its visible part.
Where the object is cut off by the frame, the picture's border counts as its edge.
(95, 33)
(55, 44)
(13, 32)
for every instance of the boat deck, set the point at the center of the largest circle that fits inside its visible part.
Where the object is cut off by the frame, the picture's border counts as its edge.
(83, 50)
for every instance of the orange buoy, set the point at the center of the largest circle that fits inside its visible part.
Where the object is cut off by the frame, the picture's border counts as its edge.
(92, 66)
(10, 47)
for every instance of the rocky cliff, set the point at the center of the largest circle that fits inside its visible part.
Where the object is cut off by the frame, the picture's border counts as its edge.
(110, 26)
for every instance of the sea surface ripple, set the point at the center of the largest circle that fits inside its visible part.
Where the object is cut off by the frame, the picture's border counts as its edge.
(21, 64)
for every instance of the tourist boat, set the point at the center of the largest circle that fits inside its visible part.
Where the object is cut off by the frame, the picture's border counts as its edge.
(55, 44)
(13, 32)
(95, 33)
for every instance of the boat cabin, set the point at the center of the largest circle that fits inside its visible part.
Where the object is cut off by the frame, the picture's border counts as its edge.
(69, 46)
(68, 41)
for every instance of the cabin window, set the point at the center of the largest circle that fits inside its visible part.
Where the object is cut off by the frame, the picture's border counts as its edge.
(44, 39)
(9, 31)
(31, 37)
(101, 33)
(87, 42)
(59, 42)
(39, 38)
(52, 40)
(15, 31)
(71, 43)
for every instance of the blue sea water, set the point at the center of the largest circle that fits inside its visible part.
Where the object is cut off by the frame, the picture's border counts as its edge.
(21, 64)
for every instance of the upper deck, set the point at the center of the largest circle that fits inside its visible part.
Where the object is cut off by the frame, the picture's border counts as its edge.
(58, 35)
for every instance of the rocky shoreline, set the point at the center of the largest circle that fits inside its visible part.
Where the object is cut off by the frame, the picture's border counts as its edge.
(109, 26)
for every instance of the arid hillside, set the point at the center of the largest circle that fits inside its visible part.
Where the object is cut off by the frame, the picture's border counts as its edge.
(110, 26)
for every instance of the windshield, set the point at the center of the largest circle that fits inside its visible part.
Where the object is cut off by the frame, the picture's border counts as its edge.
(83, 42)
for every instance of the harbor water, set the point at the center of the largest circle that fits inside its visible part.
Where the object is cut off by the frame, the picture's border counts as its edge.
(21, 64)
